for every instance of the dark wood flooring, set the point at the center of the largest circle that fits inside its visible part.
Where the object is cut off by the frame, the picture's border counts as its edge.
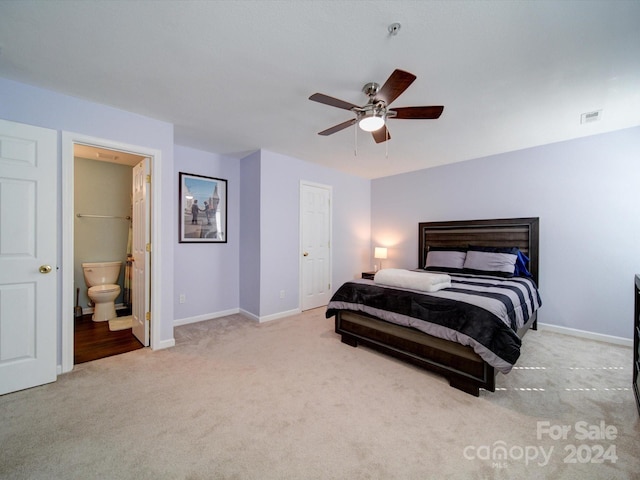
(93, 340)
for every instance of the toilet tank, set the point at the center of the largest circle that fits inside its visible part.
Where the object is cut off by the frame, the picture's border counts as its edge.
(101, 273)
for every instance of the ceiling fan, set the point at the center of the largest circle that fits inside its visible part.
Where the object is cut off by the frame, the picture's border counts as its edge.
(373, 116)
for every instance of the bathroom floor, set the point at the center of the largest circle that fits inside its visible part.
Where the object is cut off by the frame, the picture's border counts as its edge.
(93, 340)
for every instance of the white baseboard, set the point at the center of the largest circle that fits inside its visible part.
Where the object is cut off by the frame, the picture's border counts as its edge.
(206, 316)
(166, 344)
(249, 315)
(276, 316)
(244, 313)
(269, 318)
(627, 342)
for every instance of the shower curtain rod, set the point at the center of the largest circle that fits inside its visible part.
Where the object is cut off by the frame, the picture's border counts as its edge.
(80, 215)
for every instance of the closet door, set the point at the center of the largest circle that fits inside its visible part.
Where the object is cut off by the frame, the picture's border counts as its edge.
(315, 242)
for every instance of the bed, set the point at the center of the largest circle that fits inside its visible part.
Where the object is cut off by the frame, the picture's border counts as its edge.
(460, 356)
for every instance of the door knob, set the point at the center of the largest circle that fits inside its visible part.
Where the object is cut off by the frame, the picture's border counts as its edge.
(305, 254)
(45, 268)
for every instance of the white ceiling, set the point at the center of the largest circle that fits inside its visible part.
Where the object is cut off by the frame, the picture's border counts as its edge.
(235, 76)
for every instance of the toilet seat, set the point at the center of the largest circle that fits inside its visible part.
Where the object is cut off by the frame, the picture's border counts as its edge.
(103, 297)
(101, 278)
(104, 288)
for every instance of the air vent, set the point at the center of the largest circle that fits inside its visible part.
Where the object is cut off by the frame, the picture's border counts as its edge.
(590, 117)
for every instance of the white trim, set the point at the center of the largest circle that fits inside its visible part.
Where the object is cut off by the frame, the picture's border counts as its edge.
(67, 254)
(249, 315)
(205, 317)
(67, 290)
(165, 344)
(269, 318)
(627, 342)
(329, 188)
(276, 316)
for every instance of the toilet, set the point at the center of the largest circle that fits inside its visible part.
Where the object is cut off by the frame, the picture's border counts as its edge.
(101, 278)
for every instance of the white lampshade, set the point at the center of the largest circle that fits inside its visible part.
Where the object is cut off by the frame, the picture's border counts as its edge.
(371, 123)
(380, 252)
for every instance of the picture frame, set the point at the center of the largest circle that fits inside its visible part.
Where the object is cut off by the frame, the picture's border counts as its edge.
(202, 209)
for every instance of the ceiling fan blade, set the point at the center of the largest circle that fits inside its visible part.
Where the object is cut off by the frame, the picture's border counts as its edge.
(381, 135)
(337, 128)
(424, 113)
(334, 102)
(397, 83)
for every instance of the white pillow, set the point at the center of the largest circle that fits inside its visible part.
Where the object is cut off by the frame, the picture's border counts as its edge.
(490, 261)
(445, 260)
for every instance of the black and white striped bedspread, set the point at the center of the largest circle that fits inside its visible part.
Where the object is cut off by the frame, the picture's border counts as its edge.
(513, 300)
(479, 311)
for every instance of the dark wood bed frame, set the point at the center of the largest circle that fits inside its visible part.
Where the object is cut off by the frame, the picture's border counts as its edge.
(460, 364)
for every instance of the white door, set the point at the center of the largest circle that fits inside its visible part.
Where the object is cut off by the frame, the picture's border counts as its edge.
(140, 284)
(315, 225)
(28, 249)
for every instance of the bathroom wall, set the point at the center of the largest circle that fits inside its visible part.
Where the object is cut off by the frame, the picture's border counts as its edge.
(100, 188)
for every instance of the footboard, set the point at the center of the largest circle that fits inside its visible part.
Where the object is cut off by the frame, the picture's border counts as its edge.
(463, 368)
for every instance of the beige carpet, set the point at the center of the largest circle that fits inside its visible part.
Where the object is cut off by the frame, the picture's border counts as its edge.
(120, 323)
(287, 400)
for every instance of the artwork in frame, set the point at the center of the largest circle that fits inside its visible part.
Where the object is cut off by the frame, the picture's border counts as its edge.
(203, 209)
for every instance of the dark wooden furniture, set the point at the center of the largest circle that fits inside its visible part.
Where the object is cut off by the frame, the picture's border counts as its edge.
(368, 275)
(636, 342)
(464, 369)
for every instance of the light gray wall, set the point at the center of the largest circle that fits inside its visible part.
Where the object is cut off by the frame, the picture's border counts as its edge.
(277, 200)
(586, 193)
(262, 257)
(35, 106)
(100, 188)
(250, 208)
(207, 273)
(269, 261)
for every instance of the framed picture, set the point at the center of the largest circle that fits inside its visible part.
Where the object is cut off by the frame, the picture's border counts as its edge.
(203, 209)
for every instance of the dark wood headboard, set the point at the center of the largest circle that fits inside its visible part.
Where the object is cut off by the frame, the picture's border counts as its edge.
(505, 232)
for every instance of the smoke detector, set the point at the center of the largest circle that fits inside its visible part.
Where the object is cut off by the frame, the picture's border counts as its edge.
(394, 28)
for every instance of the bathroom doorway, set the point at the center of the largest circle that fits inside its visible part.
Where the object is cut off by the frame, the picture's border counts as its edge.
(107, 185)
(111, 153)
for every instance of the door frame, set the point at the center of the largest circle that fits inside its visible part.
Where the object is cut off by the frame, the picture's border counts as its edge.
(329, 188)
(69, 140)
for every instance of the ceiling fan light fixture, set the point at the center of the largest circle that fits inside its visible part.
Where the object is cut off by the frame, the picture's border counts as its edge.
(371, 123)
(373, 116)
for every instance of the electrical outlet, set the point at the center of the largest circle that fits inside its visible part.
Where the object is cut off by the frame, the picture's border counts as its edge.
(183, 298)
(281, 293)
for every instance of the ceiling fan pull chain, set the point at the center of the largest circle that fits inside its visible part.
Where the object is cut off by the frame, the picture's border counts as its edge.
(386, 146)
(355, 142)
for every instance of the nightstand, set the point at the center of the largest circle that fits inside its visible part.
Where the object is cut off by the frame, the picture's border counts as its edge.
(368, 275)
